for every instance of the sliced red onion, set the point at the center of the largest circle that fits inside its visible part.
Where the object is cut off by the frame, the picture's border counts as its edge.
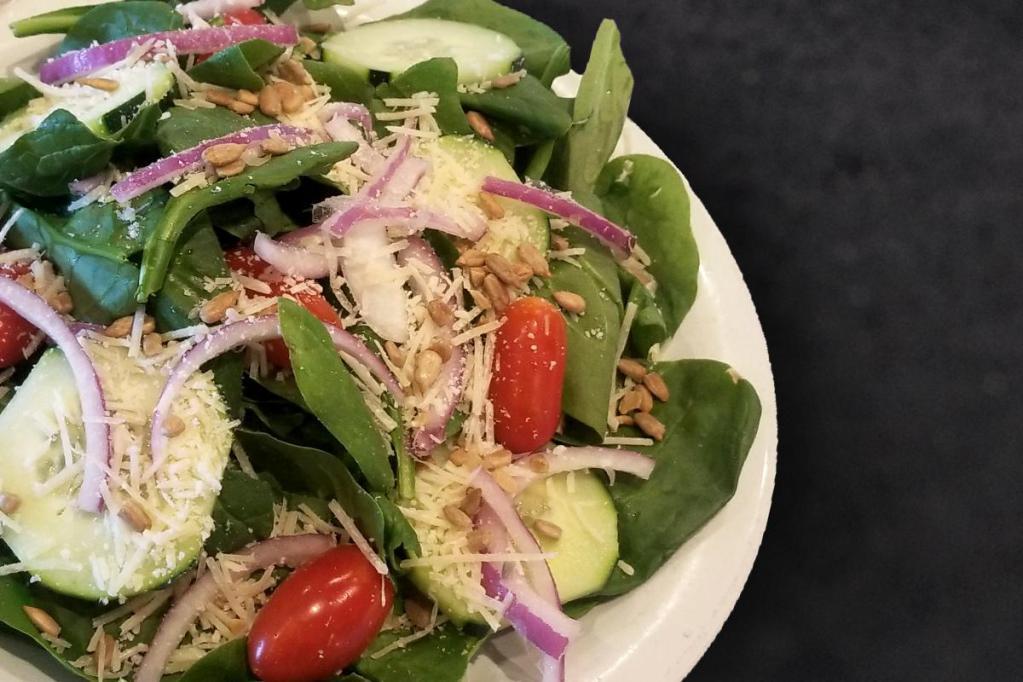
(349, 111)
(617, 238)
(291, 259)
(562, 459)
(143, 179)
(230, 336)
(405, 218)
(90, 392)
(207, 9)
(291, 551)
(190, 41)
(430, 434)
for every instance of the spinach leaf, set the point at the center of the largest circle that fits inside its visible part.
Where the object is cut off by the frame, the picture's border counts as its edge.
(57, 21)
(14, 94)
(184, 128)
(15, 594)
(529, 108)
(331, 394)
(545, 52)
(598, 116)
(399, 532)
(238, 66)
(540, 160)
(92, 250)
(345, 85)
(197, 259)
(62, 149)
(308, 471)
(439, 76)
(311, 160)
(647, 196)
(115, 20)
(591, 348)
(139, 135)
(442, 656)
(243, 513)
(323, 4)
(227, 663)
(711, 419)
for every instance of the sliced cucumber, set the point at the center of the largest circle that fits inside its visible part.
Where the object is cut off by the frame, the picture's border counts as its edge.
(101, 556)
(391, 47)
(459, 166)
(578, 503)
(103, 112)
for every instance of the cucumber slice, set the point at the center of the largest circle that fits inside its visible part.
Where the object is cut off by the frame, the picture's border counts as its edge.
(104, 113)
(391, 47)
(587, 551)
(99, 556)
(459, 166)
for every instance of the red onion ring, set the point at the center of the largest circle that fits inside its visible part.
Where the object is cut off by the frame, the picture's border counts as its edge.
(90, 392)
(618, 239)
(561, 459)
(291, 551)
(228, 337)
(189, 41)
(408, 219)
(348, 111)
(143, 179)
(291, 259)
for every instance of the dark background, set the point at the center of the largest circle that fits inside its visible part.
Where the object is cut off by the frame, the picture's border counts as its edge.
(864, 161)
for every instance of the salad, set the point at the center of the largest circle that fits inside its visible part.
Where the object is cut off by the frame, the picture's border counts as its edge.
(329, 352)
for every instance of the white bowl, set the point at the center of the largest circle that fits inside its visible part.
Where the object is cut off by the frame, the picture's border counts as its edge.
(659, 631)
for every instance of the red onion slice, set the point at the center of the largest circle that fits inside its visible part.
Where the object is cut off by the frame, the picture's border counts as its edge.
(616, 238)
(90, 392)
(251, 330)
(207, 9)
(562, 459)
(405, 218)
(292, 259)
(143, 179)
(190, 41)
(291, 551)
(349, 111)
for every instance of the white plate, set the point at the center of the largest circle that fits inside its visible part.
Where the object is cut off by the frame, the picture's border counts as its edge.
(659, 631)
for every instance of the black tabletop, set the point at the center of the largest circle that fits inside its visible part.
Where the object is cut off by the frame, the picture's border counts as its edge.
(864, 161)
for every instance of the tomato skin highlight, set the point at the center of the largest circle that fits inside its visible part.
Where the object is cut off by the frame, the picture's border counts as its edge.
(320, 619)
(243, 260)
(16, 334)
(239, 17)
(529, 375)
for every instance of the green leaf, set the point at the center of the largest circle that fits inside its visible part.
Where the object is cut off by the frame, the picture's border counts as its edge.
(227, 663)
(345, 85)
(184, 128)
(331, 394)
(140, 134)
(399, 532)
(14, 94)
(243, 513)
(545, 52)
(115, 20)
(198, 258)
(323, 4)
(598, 116)
(62, 149)
(540, 160)
(591, 348)
(647, 196)
(311, 160)
(442, 656)
(440, 76)
(238, 66)
(57, 21)
(529, 109)
(14, 595)
(711, 421)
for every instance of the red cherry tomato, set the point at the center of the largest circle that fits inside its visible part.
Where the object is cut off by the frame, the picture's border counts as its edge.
(15, 333)
(320, 619)
(529, 373)
(239, 17)
(244, 260)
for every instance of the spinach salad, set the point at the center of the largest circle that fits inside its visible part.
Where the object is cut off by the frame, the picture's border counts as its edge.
(330, 352)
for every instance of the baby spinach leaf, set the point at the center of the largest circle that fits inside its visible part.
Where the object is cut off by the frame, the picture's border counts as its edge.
(399, 532)
(62, 149)
(311, 160)
(540, 160)
(115, 20)
(711, 421)
(184, 128)
(243, 513)
(227, 663)
(323, 4)
(57, 21)
(647, 196)
(345, 85)
(591, 348)
(14, 94)
(598, 116)
(198, 259)
(439, 76)
(544, 51)
(238, 66)
(140, 133)
(529, 108)
(442, 656)
(331, 394)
